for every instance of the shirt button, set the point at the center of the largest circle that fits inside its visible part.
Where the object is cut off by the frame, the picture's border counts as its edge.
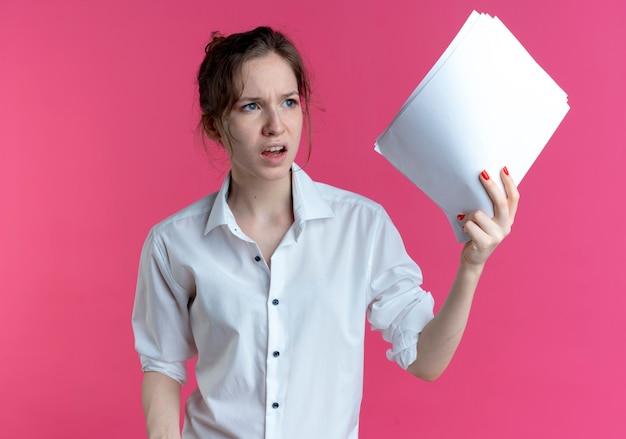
(275, 405)
(275, 302)
(276, 353)
(257, 258)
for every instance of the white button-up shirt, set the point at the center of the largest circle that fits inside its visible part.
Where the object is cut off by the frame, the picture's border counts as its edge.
(280, 351)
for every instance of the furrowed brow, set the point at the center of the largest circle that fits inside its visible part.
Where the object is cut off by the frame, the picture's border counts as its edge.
(258, 98)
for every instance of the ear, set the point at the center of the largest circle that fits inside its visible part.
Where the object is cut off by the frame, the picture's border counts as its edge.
(211, 129)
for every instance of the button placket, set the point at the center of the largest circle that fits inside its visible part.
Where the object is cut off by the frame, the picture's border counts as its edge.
(277, 363)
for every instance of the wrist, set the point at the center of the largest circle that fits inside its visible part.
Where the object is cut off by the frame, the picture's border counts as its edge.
(471, 269)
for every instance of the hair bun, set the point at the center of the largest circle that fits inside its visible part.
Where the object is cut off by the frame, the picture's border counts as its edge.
(216, 38)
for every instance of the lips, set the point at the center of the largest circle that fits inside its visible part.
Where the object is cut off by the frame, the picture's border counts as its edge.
(274, 150)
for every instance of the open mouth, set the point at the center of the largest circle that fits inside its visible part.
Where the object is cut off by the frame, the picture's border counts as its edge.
(274, 151)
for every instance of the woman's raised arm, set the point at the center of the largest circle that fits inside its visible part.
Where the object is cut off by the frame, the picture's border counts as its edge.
(440, 338)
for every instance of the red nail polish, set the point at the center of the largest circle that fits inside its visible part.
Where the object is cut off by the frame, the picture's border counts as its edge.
(506, 171)
(485, 175)
(460, 216)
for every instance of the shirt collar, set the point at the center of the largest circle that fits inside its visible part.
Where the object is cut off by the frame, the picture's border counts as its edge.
(308, 203)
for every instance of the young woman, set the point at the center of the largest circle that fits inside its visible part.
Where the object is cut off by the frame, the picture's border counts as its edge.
(267, 281)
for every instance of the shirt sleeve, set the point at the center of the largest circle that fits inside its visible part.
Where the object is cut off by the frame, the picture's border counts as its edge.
(160, 319)
(399, 308)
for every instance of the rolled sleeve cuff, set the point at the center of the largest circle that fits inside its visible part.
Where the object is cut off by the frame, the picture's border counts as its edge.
(404, 337)
(175, 370)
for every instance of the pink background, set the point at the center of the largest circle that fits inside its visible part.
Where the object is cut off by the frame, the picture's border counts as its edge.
(98, 139)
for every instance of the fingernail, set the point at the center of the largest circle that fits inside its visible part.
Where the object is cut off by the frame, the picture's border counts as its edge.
(485, 175)
(460, 217)
(506, 171)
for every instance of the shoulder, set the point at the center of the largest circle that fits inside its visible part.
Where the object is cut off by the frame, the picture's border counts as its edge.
(341, 199)
(191, 219)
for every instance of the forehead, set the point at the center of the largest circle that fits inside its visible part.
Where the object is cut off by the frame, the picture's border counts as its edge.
(266, 73)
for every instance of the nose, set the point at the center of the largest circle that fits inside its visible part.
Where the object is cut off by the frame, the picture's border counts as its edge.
(273, 124)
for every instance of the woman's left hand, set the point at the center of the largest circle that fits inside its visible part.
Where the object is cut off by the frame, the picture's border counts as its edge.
(487, 233)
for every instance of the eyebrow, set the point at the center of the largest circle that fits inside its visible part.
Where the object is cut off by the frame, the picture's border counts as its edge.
(258, 98)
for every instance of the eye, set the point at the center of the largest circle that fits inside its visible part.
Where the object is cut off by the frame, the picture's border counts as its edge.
(250, 107)
(290, 103)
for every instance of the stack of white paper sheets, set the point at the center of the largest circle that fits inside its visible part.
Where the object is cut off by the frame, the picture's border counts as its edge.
(485, 104)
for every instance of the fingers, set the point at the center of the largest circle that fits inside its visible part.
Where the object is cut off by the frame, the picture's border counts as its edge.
(504, 204)
(512, 194)
(485, 232)
(498, 198)
(485, 236)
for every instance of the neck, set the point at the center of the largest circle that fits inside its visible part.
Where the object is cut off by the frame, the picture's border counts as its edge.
(262, 200)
